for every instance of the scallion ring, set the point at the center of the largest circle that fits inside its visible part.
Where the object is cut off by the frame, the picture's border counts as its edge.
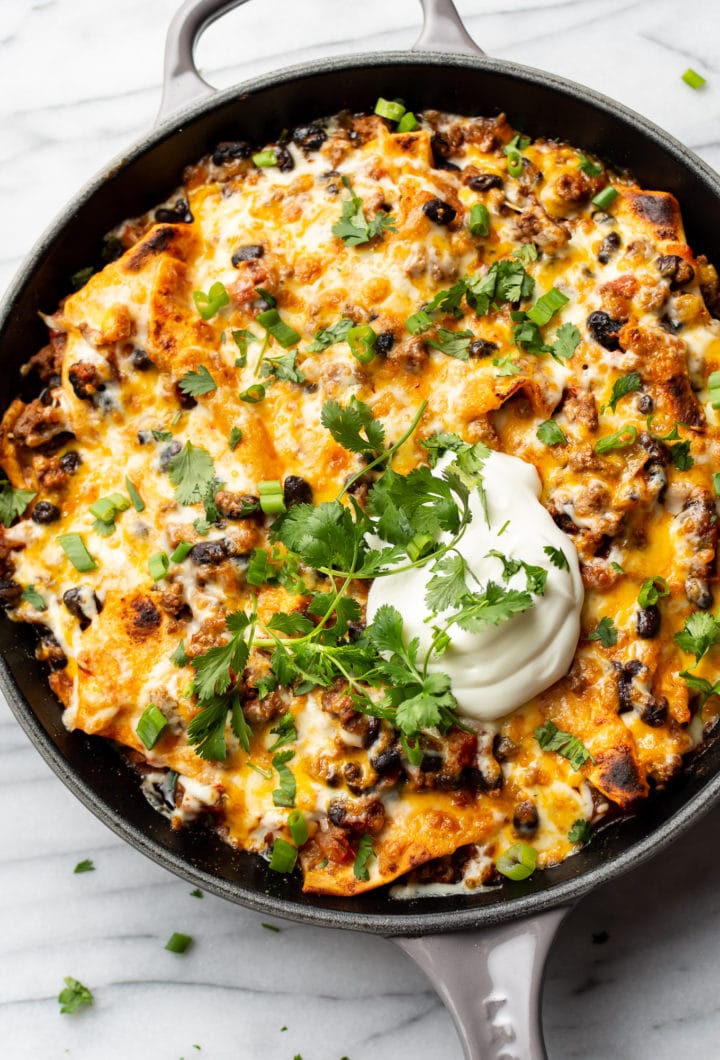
(605, 198)
(253, 394)
(517, 862)
(361, 341)
(74, 548)
(283, 856)
(652, 590)
(619, 440)
(151, 725)
(158, 565)
(392, 109)
(271, 497)
(298, 827)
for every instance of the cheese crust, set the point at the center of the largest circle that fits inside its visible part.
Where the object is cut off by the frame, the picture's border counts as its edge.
(121, 344)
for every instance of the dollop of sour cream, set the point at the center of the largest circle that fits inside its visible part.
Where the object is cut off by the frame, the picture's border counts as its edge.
(498, 669)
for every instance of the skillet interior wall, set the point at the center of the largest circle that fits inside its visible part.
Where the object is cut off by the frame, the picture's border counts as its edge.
(538, 105)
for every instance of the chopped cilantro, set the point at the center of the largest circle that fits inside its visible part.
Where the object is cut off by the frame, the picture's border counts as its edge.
(198, 382)
(73, 995)
(84, 866)
(551, 738)
(353, 227)
(549, 433)
(605, 632)
(365, 851)
(626, 384)
(13, 502)
(191, 471)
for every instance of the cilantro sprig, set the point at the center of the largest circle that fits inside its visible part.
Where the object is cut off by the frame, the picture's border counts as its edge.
(353, 227)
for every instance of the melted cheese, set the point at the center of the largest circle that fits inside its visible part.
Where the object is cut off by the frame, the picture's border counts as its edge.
(613, 505)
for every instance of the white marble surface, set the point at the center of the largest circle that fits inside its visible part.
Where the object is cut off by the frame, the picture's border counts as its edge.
(79, 80)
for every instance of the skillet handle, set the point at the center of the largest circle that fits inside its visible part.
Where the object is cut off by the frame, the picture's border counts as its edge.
(491, 981)
(442, 30)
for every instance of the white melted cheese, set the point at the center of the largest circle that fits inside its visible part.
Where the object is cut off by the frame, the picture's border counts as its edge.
(498, 669)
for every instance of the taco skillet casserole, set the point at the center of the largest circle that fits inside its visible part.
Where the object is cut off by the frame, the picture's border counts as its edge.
(369, 501)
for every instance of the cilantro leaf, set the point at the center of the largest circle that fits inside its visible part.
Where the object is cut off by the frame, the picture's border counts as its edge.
(593, 169)
(551, 738)
(284, 794)
(292, 625)
(440, 443)
(74, 995)
(453, 343)
(283, 368)
(234, 438)
(285, 730)
(327, 337)
(345, 425)
(550, 433)
(191, 471)
(212, 670)
(567, 340)
(605, 632)
(353, 227)
(13, 502)
(700, 632)
(30, 596)
(447, 584)
(626, 384)
(322, 536)
(681, 458)
(699, 684)
(506, 366)
(557, 557)
(365, 851)
(580, 832)
(206, 732)
(490, 608)
(385, 631)
(242, 339)
(198, 383)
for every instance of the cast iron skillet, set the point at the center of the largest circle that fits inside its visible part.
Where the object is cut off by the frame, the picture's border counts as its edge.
(484, 953)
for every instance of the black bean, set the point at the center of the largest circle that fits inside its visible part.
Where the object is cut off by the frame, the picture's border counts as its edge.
(45, 512)
(384, 343)
(604, 330)
(168, 453)
(625, 677)
(608, 247)
(388, 761)
(439, 212)
(645, 404)
(431, 762)
(10, 592)
(485, 182)
(249, 252)
(296, 490)
(285, 161)
(49, 651)
(210, 553)
(525, 819)
(309, 137)
(450, 781)
(441, 151)
(70, 461)
(179, 213)
(503, 748)
(230, 150)
(73, 600)
(372, 733)
(186, 401)
(657, 449)
(482, 348)
(85, 380)
(140, 360)
(337, 812)
(698, 592)
(144, 437)
(654, 711)
(647, 622)
(676, 269)
(670, 325)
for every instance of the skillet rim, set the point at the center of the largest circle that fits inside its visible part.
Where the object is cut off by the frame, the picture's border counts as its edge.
(411, 924)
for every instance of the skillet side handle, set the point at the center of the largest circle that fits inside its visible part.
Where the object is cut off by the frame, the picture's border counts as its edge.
(444, 31)
(491, 981)
(181, 81)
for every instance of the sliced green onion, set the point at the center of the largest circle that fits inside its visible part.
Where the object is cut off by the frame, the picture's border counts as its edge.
(547, 306)
(178, 943)
(271, 497)
(714, 387)
(106, 508)
(209, 304)
(181, 551)
(158, 566)
(605, 198)
(151, 725)
(716, 483)
(517, 862)
(280, 331)
(651, 590)
(419, 546)
(253, 394)
(693, 78)
(418, 322)
(390, 109)
(265, 158)
(408, 122)
(74, 548)
(283, 857)
(298, 827)
(514, 163)
(135, 497)
(32, 597)
(479, 223)
(619, 440)
(361, 341)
